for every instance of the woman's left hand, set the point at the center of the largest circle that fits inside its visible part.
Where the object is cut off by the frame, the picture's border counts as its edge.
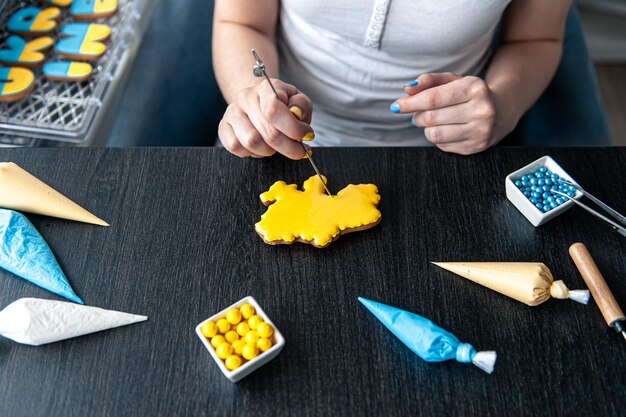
(459, 114)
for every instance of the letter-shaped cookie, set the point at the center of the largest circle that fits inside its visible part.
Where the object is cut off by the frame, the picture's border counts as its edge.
(32, 21)
(15, 83)
(313, 217)
(81, 41)
(27, 54)
(93, 9)
(60, 3)
(67, 71)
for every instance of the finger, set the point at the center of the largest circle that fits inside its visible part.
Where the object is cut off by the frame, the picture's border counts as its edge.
(448, 133)
(229, 140)
(438, 97)
(278, 115)
(272, 136)
(430, 80)
(457, 114)
(304, 104)
(248, 136)
(463, 148)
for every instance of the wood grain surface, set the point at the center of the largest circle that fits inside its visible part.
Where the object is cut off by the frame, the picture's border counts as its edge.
(182, 246)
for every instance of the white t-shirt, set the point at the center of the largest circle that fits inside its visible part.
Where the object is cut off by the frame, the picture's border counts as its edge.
(352, 58)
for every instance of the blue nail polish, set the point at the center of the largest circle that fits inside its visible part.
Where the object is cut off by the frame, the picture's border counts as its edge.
(411, 84)
(394, 107)
(413, 122)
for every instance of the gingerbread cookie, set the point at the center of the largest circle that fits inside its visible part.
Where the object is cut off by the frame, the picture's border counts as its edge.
(93, 9)
(32, 21)
(313, 217)
(67, 71)
(81, 41)
(25, 54)
(15, 83)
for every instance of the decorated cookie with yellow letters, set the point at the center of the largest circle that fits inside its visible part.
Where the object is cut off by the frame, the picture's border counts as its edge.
(59, 3)
(32, 21)
(93, 9)
(311, 216)
(82, 41)
(15, 83)
(67, 71)
(25, 54)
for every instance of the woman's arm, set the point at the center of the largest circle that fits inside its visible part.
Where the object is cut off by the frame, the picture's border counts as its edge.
(467, 114)
(255, 122)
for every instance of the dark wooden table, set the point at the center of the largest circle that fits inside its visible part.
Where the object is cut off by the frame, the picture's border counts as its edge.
(182, 246)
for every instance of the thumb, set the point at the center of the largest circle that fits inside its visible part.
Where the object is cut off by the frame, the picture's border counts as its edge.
(430, 80)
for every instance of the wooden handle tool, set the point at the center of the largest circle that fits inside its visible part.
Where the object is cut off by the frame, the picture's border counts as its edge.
(609, 308)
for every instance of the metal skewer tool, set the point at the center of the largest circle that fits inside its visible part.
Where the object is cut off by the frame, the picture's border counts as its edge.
(609, 308)
(259, 71)
(618, 228)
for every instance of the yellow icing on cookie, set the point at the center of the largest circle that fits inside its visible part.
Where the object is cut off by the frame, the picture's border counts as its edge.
(95, 33)
(45, 20)
(62, 3)
(105, 6)
(31, 53)
(79, 69)
(312, 215)
(20, 80)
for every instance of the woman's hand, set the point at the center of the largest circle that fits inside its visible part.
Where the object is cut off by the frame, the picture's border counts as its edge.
(459, 114)
(258, 124)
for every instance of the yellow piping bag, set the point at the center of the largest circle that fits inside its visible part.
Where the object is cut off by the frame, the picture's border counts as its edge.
(529, 282)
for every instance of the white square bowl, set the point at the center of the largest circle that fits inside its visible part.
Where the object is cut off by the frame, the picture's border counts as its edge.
(250, 366)
(523, 204)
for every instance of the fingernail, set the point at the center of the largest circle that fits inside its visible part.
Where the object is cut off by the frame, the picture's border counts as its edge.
(411, 84)
(394, 107)
(413, 122)
(309, 136)
(309, 152)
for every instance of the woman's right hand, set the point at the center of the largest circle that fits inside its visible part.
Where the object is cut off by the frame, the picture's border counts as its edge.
(258, 124)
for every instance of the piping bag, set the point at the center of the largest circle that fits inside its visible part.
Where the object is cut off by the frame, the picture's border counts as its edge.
(529, 282)
(24, 252)
(22, 191)
(34, 321)
(429, 341)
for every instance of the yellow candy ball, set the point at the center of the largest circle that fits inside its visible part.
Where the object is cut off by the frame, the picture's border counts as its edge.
(250, 351)
(224, 350)
(254, 321)
(217, 340)
(264, 330)
(231, 336)
(233, 316)
(247, 311)
(251, 337)
(242, 329)
(223, 325)
(264, 344)
(233, 362)
(238, 346)
(209, 329)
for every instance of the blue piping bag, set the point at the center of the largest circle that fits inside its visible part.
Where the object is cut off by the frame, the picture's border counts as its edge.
(429, 341)
(24, 252)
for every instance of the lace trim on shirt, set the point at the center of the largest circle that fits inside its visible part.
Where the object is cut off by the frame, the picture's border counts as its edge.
(377, 24)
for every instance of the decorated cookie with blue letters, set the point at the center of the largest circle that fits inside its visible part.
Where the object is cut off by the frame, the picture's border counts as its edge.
(93, 9)
(82, 41)
(67, 71)
(15, 83)
(20, 53)
(32, 21)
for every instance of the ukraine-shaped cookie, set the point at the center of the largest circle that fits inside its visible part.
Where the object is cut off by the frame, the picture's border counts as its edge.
(313, 217)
